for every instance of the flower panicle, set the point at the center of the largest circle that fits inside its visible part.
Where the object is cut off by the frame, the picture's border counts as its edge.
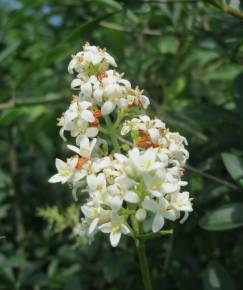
(145, 183)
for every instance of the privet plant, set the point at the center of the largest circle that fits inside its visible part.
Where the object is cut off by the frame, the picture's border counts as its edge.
(128, 165)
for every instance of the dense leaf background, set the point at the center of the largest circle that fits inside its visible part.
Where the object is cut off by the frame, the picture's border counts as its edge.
(188, 57)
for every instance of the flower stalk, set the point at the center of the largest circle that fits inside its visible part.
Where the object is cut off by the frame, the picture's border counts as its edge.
(143, 263)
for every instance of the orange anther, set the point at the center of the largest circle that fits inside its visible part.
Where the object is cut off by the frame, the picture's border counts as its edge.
(144, 144)
(143, 134)
(134, 105)
(81, 162)
(97, 113)
(101, 75)
(96, 123)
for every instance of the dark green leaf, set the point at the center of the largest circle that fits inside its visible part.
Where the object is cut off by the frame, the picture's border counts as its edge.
(227, 217)
(234, 166)
(216, 277)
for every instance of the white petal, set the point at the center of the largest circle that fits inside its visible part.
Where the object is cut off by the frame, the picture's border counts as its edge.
(169, 187)
(84, 105)
(71, 66)
(184, 218)
(84, 142)
(98, 95)
(72, 164)
(141, 214)
(60, 164)
(55, 178)
(107, 108)
(150, 204)
(158, 223)
(120, 157)
(87, 116)
(123, 103)
(86, 89)
(74, 149)
(124, 229)
(131, 196)
(115, 238)
(61, 133)
(126, 83)
(144, 101)
(170, 215)
(91, 132)
(106, 228)
(92, 181)
(116, 203)
(76, 83)
(93, 226)
(144, 118)
(154, 135)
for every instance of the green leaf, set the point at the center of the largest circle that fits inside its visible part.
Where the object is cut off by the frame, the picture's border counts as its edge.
(217, 278)
(168, 44)
(234, 166)
(238, 92)
(227, 217)
(9, 50)
(108, 3)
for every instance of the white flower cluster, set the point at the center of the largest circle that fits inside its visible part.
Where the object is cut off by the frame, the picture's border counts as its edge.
(143, 184)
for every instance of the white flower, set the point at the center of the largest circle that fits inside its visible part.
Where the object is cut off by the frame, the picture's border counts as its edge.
(94, 214)
(144, 162)
(91, 59)
(114, 91)
(66, 171)
(161, 210)
(181, 201)
(86, 147)
(116, 227)
(135, 98)
(150, 130)
(121, 191)
(78, 120)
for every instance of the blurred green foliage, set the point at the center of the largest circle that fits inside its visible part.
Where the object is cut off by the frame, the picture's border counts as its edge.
(188, 57)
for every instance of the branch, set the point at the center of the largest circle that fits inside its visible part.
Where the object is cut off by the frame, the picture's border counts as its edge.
(14, 170)
(212, 177)
(226, 9)
(173, 1)
(14, 103)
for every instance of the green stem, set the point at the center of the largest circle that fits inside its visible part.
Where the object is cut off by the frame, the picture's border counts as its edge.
(151, 236)
(112, 134)
(143, 262)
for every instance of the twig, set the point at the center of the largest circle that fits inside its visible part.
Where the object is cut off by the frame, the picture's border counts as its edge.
(159, 111)
(173, 1)
(14, 103)
(212, 177)
(226, 9)
(13, 166)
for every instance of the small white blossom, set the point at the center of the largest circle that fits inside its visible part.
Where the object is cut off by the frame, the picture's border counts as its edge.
(116, 227)
(91, 59)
